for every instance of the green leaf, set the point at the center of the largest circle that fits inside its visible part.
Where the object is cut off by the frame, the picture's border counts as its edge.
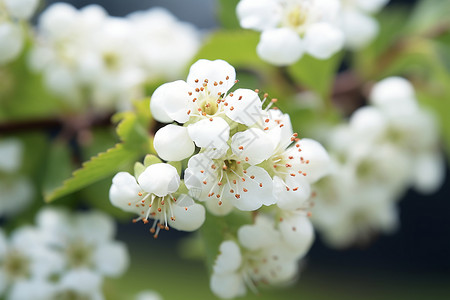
(151, 159)
(177, 165)
(97, 168)
(138, 169)
(316, 74)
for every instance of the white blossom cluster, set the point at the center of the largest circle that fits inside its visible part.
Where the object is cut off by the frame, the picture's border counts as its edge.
(16, 190)
(240, 156)
(13, 15)
(385, 148)
(63, 257)
(87, 55)
(320, 28)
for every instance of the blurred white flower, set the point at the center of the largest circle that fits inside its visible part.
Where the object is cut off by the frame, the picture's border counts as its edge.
(19, 262)
(359, 27)
(154, 195)
(16, 191)
(12, 14)
(263, 256)
(85, 240)
(88, 56)
(148, 295)
(384, 149)
(291, 28)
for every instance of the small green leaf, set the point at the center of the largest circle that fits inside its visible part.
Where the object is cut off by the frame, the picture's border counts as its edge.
(177, 165)
(151, 159)
(138, 169)
(97, 168)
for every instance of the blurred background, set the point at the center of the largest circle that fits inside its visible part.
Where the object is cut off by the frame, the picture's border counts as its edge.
(412, 263)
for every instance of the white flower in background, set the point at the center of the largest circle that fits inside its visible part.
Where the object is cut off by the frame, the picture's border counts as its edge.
(85, 240)
(86, 54)
(384, 149)
(291, 28)
(154, 195)
(20, 262)
(262, 257)
(357, 23)
(12, 35)
(166, 46)
(16, 191)
(148, 295)
(202, 103)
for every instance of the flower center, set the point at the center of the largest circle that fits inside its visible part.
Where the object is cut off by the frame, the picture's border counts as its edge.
(17, 265)
(79, 254)
(207, 103)
(297, 17)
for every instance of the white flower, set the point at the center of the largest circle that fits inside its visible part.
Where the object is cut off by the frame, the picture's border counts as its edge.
(87, 54)
(10, 155)
(85, 239)
(203, 104)
(264, 258)
(228, 181)
(359, 27)
(152, 195)
(291, 28)
(165, 45)
(20, 262)
(79, 284)
(12, 12)
(148, 295)
(37, 289)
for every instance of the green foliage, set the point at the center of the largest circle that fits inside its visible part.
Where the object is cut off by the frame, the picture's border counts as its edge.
(133, 132)
(317, 75)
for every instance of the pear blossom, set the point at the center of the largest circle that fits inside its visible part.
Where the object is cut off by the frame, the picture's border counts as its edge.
(203, 105)
(85, 239)
(12, 35)
(154, 195)
(20, 262)
(261, 256)
(384, 149)
(88, 54)
(291, 28)
(357, 23)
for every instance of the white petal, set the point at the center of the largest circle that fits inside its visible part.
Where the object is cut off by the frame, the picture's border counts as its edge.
(258, 14)
(254, 237)
(189, 216)
(359, 29)
(10, 155)
(298, 232)
(95, 226)
(227, 286)
(172, 143)
(57, 19)
(172, 101)
(247, 107)
(252, 146)
(322, 40)
(81, 281)
(210, 133)
(294, 198)
(148, 295)
(229, 258)
(212, 204)
(280, 47)
(32, 289)
(124, 190)
(160, 179)
(429, 173)
(11, 42)
(368, 123)
(319, 160)
(212, 71)
(371, 6)
(21, 9)
(393, 91)
(111, 259)
(259, 190)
